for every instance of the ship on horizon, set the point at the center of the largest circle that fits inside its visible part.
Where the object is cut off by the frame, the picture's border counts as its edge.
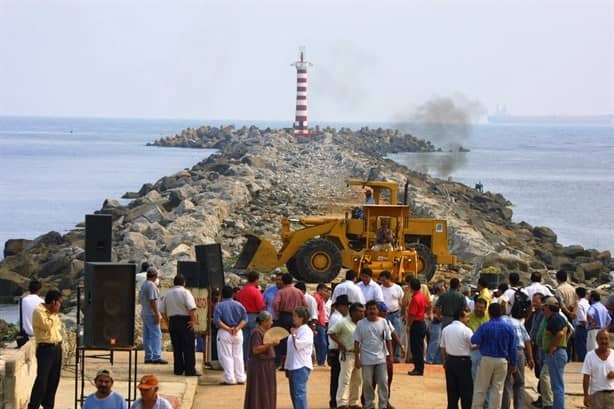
(502, 117)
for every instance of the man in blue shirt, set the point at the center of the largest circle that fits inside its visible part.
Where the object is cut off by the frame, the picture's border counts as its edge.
(270, 292)
(104, 397)
(597, 318)
(230, 317)
(498, 345)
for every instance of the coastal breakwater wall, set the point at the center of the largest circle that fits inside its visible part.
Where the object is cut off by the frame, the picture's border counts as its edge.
(261, 175)
(17, 374)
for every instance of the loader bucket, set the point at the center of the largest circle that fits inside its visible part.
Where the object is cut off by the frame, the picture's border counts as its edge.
(257, 254)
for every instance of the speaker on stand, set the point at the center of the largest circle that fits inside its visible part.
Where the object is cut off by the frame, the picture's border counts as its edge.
(191, 271)
(211, 265)
(98, 237)
(109, 305)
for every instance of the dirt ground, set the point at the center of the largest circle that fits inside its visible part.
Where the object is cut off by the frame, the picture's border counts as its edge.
(427, 392)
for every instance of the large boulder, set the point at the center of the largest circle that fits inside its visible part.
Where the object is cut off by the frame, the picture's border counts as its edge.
(15, 246)
(544, 233)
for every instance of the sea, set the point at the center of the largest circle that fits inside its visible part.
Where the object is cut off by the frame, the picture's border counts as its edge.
(56, 170)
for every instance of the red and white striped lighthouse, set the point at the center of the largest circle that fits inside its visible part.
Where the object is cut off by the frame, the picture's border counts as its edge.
(300, 120)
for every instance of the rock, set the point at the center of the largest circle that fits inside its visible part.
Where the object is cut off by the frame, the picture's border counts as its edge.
(574, 251)
(110, 204)
(146, 188)
(47, 239)
(544, 233)
(15, 246)
(591, 270)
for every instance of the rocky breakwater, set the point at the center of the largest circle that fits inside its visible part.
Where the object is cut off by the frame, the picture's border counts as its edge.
(259, 176)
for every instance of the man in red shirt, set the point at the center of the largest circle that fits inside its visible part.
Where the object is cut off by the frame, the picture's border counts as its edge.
(285, 302)
(416, 326)
(321, 295)
(253, 301)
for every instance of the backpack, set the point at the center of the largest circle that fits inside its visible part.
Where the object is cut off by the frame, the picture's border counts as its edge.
(522, 304)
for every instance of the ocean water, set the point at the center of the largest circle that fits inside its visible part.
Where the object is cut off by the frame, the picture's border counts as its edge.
(560, 176)
(56, 170)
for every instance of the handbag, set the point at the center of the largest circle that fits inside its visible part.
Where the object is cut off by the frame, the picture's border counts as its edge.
(22, 337)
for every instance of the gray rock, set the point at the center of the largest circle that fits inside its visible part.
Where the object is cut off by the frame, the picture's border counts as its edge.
(544, 233)
(15, 246)
(574, 251)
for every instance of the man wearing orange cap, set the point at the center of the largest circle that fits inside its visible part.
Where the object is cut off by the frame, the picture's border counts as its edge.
(149, 395)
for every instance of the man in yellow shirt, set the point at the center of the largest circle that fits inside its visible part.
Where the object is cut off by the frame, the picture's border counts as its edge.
(484, 292)
(47, 332)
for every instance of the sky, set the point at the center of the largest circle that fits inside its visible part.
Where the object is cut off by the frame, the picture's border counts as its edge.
(372, 60)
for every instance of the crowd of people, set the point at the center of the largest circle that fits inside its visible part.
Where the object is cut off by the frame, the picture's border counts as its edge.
(484, 339)
(360, 328)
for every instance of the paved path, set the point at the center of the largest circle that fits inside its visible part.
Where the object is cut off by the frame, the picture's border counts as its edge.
(427, 392)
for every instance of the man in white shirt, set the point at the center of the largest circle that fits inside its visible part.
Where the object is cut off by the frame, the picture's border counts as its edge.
(537, 287)
(598, 371)
(312, 304)
(580, 324)
(349, 288)
(509, 295)
(370, 289)
(28, 304)
(393, 298)
(456, 355)
(341, 311)
(178, 308)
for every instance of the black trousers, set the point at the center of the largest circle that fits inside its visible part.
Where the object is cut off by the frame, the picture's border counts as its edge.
(182, 338)
(416, 341)
(459, 384)
(335, 368)
(49, 360)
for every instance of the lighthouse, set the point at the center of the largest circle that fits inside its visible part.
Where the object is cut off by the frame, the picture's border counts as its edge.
(300, 120)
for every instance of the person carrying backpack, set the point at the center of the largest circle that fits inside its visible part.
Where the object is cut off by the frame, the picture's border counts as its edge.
(516, 294)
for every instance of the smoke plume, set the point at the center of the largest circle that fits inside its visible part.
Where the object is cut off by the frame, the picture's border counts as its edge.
(447, 122)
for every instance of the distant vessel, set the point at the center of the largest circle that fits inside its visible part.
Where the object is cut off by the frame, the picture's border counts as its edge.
(502, 117)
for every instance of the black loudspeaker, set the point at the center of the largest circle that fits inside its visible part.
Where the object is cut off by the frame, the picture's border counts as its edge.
(211, 266)
(98, 228)
(109, 305)
(191, 271)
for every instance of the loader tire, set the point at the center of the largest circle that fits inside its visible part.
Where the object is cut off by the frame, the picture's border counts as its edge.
(318, 261)
(426, 259)
(293, 269)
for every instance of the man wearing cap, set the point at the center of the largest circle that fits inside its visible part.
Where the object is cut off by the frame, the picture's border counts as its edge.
(149, 395)
(152, 335)
(179, 309)
(104, 397)
(554, 343)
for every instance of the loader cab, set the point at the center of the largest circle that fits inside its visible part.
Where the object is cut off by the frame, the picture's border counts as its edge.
(394, 215)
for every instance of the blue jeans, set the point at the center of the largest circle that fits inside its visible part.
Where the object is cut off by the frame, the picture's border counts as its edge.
(298, 387)
(395, 320)
(247, 331)
(580, 342)
(321, 341)
(433, 354)
(152, 338)
(556, 367)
